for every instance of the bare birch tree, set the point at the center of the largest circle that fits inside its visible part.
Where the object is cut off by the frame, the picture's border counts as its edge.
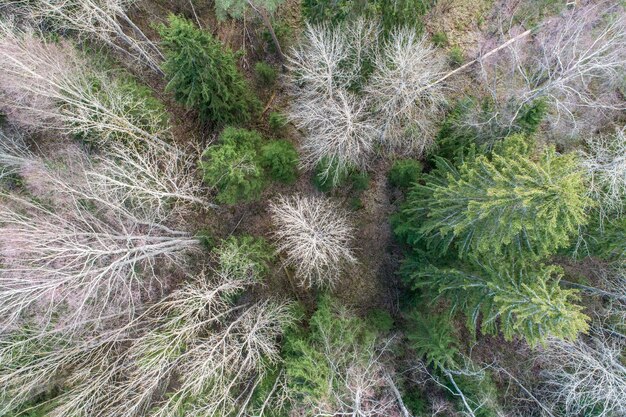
(340, 131)
(586, 375)
(604, 159)
(315, 235)
(106, 21)
(338, 124)
(574, 64)
(48, 85)
(344, 112)
(406, 98)
(14, 153)
(152, 179)
(89, 262)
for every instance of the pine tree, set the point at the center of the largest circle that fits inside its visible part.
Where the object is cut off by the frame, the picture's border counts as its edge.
(203, 74)
(514, 204)
(515, 300)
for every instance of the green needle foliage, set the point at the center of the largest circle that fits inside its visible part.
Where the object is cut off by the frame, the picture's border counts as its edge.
(232, 166)
(280, 158)
(237, 8)
(203, 74)
(433, 338)
(515, 204)
(516, 300)
(315, 360)
(245, 256)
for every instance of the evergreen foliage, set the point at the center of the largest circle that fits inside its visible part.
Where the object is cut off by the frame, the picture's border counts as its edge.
(471, 122)
(392, 14)
(516, 300)
(203, 74)
(351, 178)
(265, 74)
(232, 166)
(280, 158)
(237, 8)
(515, 204)
(244, 256)
(277, 121)
(334, 339)
(405, 173)
(433, 338)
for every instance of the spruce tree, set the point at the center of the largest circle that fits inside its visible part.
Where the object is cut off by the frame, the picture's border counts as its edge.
(515, 204)
(203, 74)
(514, 299)
(233, 167)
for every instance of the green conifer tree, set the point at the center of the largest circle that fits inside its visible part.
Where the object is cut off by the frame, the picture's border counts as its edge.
(515, 300)
(203, 74)
(514, 204)
(233, 167)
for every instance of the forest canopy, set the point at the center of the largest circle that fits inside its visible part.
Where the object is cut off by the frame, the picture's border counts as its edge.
(316, 208)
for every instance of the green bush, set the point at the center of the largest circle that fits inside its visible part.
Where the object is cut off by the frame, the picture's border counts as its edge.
(244, 256)
(380, 320)
(232, 166)
(334, 178)
(356, 180)
(439, 39)
(405, 173)
(203, 74)
(277, 121)
(280, 158)
(265, 74)
(333, 340)
(359, 181)
(455, 56)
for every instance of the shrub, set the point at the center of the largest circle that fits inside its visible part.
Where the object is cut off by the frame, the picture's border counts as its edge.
(380, 320)
(265, 74)
(439, 39)
(356, 180)
(244, 257)
(280, 158)
(455, 56)
(277, 121)
(232, 166)
(326, 182)
(405, 173)
(203, 74)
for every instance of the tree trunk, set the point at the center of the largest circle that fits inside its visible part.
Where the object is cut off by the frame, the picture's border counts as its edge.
(268, 24)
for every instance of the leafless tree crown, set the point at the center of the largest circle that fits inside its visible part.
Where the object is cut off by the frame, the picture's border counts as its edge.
(316, 237)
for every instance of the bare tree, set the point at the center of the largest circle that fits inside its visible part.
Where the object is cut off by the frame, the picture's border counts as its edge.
(317, 62)
(345, 113)
(153, 179)
(605, 161)
(103, 20)
(315, 235)
(340, 132)
(404, 91)
(586, 375)
(48, 85)
(574, 64)
(14, 153)
(339, 125)
(89, 259)
(32, 362)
